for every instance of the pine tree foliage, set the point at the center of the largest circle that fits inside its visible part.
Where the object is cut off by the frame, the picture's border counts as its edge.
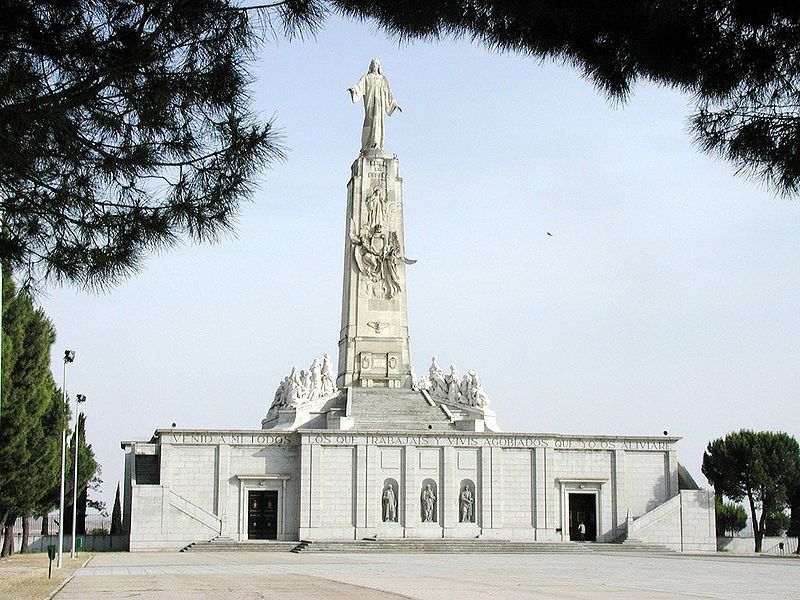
(776, 523)
(762, 467)
(87, 473)
(731, 518)
(124, 126)
(740, 59)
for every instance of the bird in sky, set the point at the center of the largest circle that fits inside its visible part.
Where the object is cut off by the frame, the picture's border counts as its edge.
(550, 234)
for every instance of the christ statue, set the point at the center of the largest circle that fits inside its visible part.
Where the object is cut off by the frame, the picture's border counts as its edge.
(378, 101)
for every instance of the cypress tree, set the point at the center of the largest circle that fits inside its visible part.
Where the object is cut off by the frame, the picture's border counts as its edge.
(116, 515)
(33, 414)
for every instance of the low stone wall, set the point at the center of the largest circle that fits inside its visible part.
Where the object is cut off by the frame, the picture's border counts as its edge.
(684, 523)
(91, 543)
(746, 545)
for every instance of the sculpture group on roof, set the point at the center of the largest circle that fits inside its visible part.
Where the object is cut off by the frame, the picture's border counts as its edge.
(301, 387)
(452, 388)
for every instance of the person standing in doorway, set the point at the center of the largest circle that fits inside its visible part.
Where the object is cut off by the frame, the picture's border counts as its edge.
(582, 531)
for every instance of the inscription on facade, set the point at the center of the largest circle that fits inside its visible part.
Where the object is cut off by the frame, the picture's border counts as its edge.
(459, 441)
(505, 441)
(257, 439)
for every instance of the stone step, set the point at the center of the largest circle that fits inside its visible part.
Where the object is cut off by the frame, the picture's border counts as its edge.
(381, 412)
(421, 546)
(463, 547)
(227, 544)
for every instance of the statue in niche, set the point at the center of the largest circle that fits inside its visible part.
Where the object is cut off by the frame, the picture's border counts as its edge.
(428, 498)
(378, 102)
(376, 208)
(466, 506)
(389, 505)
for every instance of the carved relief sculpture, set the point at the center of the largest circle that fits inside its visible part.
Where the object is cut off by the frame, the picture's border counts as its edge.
(376, 208)
(428, 499)
(376, 254)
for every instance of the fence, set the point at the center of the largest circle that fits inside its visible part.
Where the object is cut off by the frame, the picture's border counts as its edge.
(98, 536)
(769, 545)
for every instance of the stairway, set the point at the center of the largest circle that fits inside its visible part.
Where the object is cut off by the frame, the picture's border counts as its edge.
(226, 544)
(638, 545)
(396, 410)
(466, 546)
(420, 546)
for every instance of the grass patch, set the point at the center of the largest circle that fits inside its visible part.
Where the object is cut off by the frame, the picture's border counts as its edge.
(24, 576)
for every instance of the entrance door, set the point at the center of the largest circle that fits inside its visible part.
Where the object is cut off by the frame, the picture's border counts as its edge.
(262, 515)
(582, 509)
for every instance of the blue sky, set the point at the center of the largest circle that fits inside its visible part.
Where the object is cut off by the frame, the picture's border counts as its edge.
(667, 297)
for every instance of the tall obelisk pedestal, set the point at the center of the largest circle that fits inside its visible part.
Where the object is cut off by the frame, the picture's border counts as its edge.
(373, 343)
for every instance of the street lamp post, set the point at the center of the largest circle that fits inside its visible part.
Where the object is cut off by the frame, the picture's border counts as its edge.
(69, 356)
(78, 399)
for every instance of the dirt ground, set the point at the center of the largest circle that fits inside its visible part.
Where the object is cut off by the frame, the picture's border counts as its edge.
(24, 576)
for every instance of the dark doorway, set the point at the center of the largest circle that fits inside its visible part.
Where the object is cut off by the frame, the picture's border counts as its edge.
(582, 509)
(262, 515)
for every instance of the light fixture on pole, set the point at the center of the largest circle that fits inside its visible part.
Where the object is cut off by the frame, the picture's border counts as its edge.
(69, 356)
(78, 399)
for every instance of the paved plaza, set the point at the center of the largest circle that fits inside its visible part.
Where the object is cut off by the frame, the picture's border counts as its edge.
(249, 575)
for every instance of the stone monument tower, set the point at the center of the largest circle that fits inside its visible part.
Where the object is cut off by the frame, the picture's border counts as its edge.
(373, 342)
(374, 387)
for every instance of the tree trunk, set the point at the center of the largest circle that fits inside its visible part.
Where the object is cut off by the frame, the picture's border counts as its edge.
(45, 524)
(66, 518)
(758, 532)
(26, 529)
(8, 539)
(81, 517)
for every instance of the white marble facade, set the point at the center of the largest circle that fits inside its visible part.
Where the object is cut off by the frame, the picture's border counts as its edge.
(331, 485)
(370, 451)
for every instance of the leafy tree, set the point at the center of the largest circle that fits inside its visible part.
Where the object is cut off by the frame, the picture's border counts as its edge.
(762, 467)
(87, 474)
(776, 523)
(738, 58)
(794, 519)
(33, 413)
(731, 518)
(123, 126)
(116, 515)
